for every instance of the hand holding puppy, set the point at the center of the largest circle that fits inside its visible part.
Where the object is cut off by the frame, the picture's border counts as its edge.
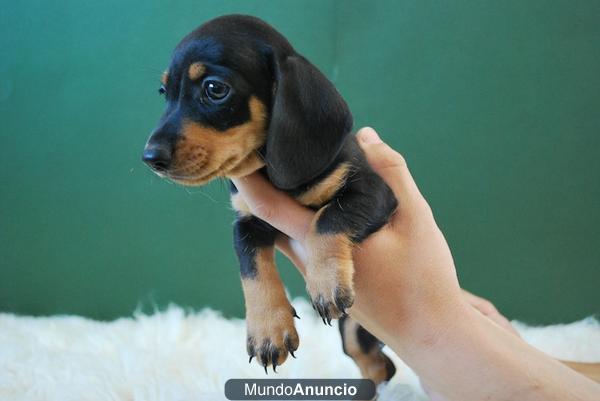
(408, 295)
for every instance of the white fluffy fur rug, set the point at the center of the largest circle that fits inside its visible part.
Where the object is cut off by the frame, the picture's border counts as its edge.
(177, 356)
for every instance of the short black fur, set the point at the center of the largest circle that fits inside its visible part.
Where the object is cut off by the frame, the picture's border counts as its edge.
(250, 234)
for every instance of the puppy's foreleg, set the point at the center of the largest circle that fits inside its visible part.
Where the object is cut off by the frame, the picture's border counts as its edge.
(271, 333)
(329, 269)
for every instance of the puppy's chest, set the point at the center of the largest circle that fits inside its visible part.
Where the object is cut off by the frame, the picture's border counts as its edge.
(315, 196)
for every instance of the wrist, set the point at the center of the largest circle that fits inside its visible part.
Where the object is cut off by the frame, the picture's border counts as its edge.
(432, 327)
(412, 323)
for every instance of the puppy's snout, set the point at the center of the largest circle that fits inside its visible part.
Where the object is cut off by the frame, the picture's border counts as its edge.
(158, 157)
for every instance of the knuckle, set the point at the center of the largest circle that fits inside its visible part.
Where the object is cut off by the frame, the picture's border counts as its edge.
(264, 212)
(399, 159)
(486, 307)
(389, 158)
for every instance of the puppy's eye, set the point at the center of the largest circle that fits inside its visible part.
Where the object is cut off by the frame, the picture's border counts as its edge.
(216, 90)
(162, 90)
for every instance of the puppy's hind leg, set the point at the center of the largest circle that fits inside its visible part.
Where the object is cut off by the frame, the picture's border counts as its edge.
(365, 349)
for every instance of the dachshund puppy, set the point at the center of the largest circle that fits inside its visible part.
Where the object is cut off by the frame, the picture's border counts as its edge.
(239, 99)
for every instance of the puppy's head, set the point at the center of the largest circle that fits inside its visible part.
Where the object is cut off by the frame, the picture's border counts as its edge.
(238, 97)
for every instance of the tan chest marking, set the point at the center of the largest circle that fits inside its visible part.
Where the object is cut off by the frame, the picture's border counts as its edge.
(239, 205)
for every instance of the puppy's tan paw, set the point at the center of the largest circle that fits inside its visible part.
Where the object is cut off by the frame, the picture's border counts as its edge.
(271, 336)
(329, 275)
(330, 297)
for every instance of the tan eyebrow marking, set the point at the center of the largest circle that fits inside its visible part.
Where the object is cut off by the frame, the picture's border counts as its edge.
(195, 71)
(164, 77)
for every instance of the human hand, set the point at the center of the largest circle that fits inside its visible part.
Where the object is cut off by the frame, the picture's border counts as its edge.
(407, 294)
(405, 281)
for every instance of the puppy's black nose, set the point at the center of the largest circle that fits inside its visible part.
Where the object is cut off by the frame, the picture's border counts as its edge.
(157, 157)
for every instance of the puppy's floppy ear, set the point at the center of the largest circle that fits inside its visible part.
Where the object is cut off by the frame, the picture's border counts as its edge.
(309, 122)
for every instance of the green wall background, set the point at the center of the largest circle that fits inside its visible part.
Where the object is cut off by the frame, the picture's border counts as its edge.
(495, 105)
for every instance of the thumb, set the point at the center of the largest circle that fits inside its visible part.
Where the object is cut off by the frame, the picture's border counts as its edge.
(390, 165)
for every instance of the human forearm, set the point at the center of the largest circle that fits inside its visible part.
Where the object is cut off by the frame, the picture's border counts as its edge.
(506, 367)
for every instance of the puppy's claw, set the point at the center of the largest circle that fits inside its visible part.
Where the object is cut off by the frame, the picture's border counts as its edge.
(250, 360)
(290, 346)
(330, 308)
(265, 366)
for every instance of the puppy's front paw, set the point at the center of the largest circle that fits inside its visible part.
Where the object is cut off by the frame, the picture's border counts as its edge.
(329, 273)
(330, 296)
(271, 336)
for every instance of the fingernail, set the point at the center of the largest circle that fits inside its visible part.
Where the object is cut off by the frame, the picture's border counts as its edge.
(368, 135)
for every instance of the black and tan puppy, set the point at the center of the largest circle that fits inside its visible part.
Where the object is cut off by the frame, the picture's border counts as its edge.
(240, 99)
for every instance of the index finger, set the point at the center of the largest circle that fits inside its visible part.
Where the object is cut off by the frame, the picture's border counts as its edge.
(273, 206)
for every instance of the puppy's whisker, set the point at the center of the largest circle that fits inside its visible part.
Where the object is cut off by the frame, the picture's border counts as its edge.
(201, 192)
(165, 179)
(267, 163)
(178, 177)
(223, 184)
